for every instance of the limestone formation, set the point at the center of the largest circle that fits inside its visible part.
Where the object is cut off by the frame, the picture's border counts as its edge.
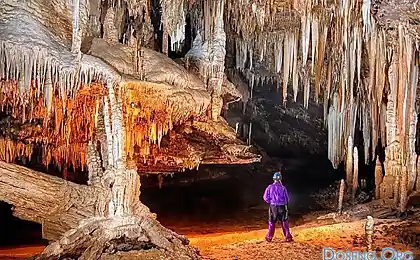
(355, 183)
(341, 196)
(378, 179)
(80, 87)
(369, 233)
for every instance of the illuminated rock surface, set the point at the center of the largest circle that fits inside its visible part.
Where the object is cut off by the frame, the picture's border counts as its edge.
(82, 86)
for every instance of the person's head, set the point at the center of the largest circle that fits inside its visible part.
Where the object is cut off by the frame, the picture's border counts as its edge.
(277, 177)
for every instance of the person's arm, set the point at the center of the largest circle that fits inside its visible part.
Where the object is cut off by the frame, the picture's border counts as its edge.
(267, 197)
(286, 195)
(286, 206)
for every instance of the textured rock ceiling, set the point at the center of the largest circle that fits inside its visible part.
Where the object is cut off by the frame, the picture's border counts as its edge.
(359, 58)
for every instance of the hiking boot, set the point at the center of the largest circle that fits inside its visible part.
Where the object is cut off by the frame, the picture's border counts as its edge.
(268, 239)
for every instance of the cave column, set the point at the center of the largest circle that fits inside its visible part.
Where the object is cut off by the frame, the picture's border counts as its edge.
(216, 57)
(125, 189)
(401, 121)
(392, 145)
(209, 51)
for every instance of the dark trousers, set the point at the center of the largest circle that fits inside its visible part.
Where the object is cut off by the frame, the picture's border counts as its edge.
(278, 213)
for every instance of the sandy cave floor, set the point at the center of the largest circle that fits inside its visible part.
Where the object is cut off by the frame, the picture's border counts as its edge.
(310, 239)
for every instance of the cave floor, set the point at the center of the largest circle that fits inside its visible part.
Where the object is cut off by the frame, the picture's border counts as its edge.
(247, 242)
(309, 241)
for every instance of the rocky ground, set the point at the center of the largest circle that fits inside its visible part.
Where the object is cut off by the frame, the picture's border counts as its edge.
(241, 236)
(310, 240)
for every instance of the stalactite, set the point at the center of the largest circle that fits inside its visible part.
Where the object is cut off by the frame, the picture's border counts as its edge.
(350, 28)
(63, 106)
(372, 62)
(320, 60)
(402, 75)
(279, 54)
(295, 73)
(325, 104)
(306, 30)
(173, 22)
(288, 48)
(315, 39)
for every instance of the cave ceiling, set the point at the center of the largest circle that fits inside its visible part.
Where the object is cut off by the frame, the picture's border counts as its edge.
(356, 59)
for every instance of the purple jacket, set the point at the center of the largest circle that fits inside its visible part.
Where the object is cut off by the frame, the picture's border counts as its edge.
(276, 194)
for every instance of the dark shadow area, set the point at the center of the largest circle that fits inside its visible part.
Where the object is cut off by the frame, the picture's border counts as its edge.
(17, 232)
(285, 131)
(229, 198)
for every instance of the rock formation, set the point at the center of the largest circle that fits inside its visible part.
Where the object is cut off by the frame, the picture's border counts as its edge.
(81, 85)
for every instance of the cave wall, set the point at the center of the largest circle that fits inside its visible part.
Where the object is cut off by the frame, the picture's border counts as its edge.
(282, 131)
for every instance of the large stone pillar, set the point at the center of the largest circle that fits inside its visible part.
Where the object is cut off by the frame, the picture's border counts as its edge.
(208, 54)
(392, 144)
(400, 156)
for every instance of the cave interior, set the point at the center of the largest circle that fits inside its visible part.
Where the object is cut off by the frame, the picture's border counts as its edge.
(144, 122)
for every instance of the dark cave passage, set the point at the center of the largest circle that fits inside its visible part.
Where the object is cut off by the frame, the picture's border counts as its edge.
(234, 201)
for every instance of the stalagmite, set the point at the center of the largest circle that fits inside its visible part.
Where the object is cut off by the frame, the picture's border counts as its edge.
(349, 165)
(369, 233)
(355, 174)
(396, 186)
(378, 179)
(341, 196)
(403, 190)
(249, 133)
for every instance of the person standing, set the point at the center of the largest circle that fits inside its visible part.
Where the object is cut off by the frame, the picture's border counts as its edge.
(277, 197)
